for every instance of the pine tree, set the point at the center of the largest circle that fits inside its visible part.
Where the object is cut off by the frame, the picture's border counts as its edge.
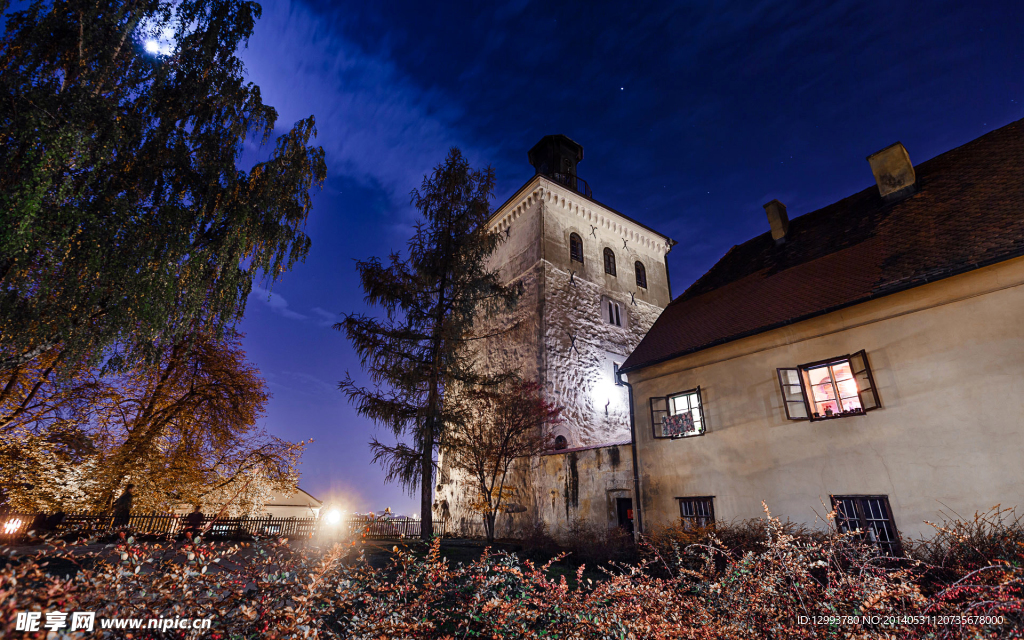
(125, 218)
(417, 355)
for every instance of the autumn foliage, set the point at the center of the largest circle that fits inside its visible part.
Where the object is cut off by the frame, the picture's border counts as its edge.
(182, 428)
(508, 424)
(789, 588)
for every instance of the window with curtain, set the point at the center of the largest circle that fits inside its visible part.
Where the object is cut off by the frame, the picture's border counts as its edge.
(834, 388)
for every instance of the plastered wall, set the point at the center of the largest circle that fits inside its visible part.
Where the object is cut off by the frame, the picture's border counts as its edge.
(948, 362)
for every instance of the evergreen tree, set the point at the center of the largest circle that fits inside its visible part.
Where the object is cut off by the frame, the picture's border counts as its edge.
(125, 220)
(417, 355)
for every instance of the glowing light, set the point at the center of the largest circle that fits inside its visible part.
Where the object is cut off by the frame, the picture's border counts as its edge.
(333, 516)
(12, 525)
(152, 46)
(605, 393)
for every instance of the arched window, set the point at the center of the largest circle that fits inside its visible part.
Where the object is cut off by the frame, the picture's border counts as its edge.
(641, 274)
(561, 443)
(576, 248)
(609, 261)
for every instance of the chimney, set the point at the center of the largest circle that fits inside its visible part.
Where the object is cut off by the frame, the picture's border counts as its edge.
(778, 220)
(894, 172)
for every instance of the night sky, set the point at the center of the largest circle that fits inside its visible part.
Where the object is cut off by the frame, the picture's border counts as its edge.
(692, 116)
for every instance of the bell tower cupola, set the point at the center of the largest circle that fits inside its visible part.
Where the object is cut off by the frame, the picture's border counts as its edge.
(556, 157)
(556, 154)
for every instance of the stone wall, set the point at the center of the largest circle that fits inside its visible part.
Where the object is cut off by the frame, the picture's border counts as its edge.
(564, 341)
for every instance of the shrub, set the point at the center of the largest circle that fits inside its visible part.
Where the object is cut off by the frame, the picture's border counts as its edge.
(773, 588)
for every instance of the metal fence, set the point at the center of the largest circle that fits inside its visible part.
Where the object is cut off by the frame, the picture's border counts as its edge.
(15, 526)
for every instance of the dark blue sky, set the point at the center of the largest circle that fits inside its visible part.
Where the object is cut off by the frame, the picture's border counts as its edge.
(692, 116)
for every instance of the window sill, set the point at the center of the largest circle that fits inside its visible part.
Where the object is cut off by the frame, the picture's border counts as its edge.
(681, 436)
(834, 416)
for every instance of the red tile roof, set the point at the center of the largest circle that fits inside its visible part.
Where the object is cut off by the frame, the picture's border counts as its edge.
(968, 212)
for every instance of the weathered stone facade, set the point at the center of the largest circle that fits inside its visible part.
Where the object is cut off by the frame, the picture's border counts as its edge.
(571, 345)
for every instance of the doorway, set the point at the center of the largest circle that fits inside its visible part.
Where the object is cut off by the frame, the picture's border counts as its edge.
(624, 508)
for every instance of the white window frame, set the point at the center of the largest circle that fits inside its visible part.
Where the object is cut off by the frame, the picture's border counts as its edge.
(665, 406)
(797, 398)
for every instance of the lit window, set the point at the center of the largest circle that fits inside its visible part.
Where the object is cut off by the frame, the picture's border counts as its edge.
(641, 274)
(576, 248)
(609, 261)
(833, 388)
(678, 416)
(872, 517)
(696, 513)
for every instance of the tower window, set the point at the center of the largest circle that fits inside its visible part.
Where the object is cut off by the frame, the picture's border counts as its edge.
(576, 248)
(561, 443)
(613, 312)
(641, 274)
(609, 261)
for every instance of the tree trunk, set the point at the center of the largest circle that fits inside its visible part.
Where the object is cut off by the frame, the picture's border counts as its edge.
(489, 519)
(427, 484)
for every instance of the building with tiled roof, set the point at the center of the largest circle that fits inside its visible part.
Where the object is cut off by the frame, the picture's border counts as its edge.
(867, 356)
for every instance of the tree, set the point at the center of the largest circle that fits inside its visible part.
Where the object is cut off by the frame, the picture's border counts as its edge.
(125, 219)
(417, 354)
(183, 429)
(507, 425)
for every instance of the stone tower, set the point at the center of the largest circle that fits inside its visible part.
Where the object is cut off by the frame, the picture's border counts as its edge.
(594, 282)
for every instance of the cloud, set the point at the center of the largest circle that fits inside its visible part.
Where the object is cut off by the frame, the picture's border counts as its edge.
(326, 318)
(375, 124)
(276, 303)
(310, 384)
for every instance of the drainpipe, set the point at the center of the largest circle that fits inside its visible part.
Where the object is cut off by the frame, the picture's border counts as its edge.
(636, 469)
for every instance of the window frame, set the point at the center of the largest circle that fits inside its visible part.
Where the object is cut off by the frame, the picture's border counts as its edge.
(641, 274)
(842, 521)
(864, 392)
(709, 518)
(666, 399)
(575, 240)
(614, 313)
(609, 261)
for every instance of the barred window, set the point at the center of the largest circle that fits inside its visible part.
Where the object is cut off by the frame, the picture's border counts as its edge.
(834, 388)
(872, 517)
(641, 274)
(576, 248)
(697, 512)
(609, 261)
